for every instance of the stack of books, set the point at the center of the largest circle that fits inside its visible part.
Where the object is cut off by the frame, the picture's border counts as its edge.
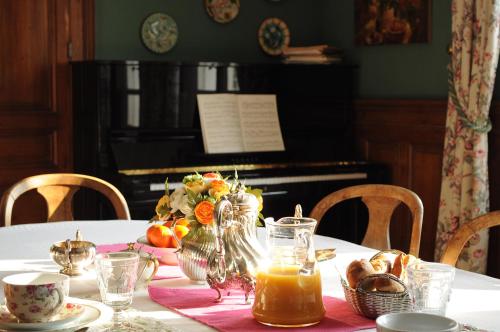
(312, 54)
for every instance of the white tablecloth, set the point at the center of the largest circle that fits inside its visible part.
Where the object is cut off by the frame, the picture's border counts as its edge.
(475, 298)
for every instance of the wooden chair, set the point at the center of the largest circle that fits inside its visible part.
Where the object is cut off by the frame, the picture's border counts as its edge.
(58, 189)
(381, 201)
(465, 232)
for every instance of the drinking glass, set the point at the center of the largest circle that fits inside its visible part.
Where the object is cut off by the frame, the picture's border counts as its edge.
(116, 277)
(430, 286)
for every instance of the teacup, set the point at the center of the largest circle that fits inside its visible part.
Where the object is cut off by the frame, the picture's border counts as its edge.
(35, 297)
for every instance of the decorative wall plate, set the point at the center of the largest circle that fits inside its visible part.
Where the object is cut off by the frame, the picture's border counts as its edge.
(159, 32)
(273, 36)
(222, 11)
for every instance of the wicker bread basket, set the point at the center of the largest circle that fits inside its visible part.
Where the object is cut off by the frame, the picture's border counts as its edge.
(372, 304)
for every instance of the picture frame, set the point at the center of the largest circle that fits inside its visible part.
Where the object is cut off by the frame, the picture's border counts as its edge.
(392, 21)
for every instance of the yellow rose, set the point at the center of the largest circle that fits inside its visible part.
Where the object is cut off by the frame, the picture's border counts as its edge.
(163, 206)
(196, 186)
(218, 188)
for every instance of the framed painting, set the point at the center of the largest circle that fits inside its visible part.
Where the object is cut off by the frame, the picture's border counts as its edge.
(392, 21)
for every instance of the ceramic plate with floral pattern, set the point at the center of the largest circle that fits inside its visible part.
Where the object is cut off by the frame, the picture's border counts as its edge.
(222, 11)
(159, 33)
(273, 36)
(68, 313)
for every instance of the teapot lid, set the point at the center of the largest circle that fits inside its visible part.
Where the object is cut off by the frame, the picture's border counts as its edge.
(244, 200)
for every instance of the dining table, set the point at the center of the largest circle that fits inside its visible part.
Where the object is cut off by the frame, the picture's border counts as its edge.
(474, 300)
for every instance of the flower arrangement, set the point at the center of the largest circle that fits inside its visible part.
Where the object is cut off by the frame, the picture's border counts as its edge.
(196, 199)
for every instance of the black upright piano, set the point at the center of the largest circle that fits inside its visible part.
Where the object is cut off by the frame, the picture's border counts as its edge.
(136, 124)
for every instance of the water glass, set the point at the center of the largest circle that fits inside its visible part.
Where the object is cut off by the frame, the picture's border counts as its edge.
(116, 277)
(430, 286)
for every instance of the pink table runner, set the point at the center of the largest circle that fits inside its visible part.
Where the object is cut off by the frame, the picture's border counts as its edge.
(233, 315)
(164, 271)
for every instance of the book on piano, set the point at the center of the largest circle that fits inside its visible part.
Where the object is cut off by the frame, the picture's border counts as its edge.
(235, 123)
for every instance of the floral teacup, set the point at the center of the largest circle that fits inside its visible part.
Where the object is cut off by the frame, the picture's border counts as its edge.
(35, 297)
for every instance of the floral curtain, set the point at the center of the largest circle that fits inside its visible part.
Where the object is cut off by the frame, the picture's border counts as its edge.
(464, 187)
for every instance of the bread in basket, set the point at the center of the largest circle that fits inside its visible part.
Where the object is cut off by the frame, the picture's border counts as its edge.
(365, 294)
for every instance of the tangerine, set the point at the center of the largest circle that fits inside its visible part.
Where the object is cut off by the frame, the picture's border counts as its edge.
(180, 232)
(180, 221)
(159, 236)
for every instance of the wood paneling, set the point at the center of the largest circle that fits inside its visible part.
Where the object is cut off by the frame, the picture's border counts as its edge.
(408, 136)
(494, 173)
(35, 89)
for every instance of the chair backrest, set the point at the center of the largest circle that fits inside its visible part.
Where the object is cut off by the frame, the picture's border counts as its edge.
(465, 232)
(381, 201)
(58, 189)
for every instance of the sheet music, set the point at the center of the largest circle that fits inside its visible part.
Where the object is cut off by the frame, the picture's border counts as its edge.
(260, 124)
(239, 123)
(220, 123)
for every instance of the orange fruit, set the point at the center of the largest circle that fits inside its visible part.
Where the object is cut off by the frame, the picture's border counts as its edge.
(180, 232)
(159, 236)
(180, 221)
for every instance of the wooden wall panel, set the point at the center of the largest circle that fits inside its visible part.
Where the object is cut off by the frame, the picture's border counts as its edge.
(408, 136)
(494, 173)
(27, 149)
(39, 39)
(425, 172)
(26, 50)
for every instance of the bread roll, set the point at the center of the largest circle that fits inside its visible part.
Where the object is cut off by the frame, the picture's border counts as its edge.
(387, 285)
(381, 265)
(407, 260)
(358, 270)
(397, 266)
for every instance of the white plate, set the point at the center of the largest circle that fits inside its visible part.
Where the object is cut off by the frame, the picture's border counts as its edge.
(414, 321)
(93, 313)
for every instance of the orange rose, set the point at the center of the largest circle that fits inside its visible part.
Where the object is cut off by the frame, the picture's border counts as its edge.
(218, 188)
(204, 212)
(211, 175)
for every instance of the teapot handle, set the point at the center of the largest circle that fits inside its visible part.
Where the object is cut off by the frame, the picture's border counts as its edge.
(223, 216)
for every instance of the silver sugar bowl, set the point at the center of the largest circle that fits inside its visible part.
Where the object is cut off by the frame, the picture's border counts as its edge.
(73, 255)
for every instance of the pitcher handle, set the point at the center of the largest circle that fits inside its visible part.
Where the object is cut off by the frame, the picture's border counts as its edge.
(172, 228)
(156, 264)
(305, 237)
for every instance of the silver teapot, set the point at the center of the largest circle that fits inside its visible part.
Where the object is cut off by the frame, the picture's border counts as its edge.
(234, 262)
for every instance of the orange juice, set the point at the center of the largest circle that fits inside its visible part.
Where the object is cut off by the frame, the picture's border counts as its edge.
(283, 297)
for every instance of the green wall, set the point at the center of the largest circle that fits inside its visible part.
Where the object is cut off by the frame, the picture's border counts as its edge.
(394, 71)
(118, 23)
(387, 71)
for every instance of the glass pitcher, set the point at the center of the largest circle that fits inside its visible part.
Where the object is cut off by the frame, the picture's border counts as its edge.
(288, 284)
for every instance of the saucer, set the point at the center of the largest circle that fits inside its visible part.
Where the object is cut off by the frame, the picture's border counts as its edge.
(92, 313)
(415, 321)
(68, 313)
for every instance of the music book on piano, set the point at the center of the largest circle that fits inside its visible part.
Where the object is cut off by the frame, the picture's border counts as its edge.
(233, 123)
